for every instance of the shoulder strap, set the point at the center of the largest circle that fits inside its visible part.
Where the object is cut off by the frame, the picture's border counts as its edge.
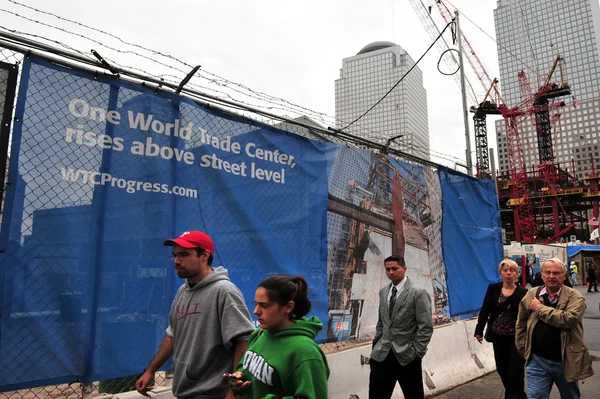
(538, 290)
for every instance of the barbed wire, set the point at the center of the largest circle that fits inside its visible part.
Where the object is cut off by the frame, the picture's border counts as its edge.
(66, 46)
(100, 31)
(272, 102)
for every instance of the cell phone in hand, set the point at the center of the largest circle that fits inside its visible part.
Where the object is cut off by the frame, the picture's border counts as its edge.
(232, 377)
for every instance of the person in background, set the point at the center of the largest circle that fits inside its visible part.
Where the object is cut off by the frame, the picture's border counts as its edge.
(573, 270)
(283, 360)
(591, 278)
(499, 311)
(403, 332)
(537, 280)
(529, 272)
(209, 324)
(549, 335)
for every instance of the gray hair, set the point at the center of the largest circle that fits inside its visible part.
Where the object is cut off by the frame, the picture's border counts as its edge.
(556, 261)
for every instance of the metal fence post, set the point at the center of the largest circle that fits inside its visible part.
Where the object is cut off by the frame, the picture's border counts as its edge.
(87, 388)
(169, 378)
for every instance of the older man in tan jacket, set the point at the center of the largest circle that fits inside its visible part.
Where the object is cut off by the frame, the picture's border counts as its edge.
(549, 335)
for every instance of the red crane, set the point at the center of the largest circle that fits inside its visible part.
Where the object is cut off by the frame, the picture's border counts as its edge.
(537, 106)
(492, 98)
(489, 105)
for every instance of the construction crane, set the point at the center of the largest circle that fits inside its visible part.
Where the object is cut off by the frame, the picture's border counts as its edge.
(424, 14)
(537, 106)
(489, 106)
(541, 112)
(492, 98)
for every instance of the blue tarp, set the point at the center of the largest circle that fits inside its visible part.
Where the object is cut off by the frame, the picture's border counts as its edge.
(573, 250)
(102, 172)
(471, 238)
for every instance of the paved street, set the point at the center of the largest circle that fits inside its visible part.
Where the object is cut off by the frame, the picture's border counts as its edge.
(490, 387)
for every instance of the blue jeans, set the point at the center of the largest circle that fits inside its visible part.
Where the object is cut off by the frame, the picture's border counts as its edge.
(541, 373)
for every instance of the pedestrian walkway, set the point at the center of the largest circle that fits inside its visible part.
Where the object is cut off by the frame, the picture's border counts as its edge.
(490, 386)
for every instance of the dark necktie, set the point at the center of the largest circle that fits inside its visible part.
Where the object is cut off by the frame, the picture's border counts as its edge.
(393, 300)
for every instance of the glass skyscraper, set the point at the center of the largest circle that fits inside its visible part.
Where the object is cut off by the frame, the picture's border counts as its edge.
(531, 34)
(364, 79)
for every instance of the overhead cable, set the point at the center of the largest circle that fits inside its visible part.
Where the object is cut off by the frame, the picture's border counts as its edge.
(402, 78)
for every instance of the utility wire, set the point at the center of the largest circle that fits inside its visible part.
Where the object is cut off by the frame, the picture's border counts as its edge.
(402, 78)
(496, 41)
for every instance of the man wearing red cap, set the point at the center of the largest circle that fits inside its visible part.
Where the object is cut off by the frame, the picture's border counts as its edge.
(209, 324)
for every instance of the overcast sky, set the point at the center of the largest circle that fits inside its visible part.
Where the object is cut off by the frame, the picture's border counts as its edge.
(289, 50)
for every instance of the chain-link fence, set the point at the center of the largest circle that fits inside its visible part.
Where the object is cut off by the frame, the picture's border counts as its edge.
(101, 174)
(54, 229)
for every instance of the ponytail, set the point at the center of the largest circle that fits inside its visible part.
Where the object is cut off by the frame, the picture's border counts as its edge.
(283, 289)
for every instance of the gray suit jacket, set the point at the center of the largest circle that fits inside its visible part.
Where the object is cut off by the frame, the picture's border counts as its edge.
(408, 332)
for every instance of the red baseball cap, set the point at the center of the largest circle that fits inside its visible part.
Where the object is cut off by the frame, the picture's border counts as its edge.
(193, 239)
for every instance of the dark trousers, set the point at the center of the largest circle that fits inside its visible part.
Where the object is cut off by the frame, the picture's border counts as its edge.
(594, 283)
(384, 375)
(510, 365)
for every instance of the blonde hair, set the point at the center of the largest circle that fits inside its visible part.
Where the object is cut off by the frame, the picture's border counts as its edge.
(557, 261)
(511, 264)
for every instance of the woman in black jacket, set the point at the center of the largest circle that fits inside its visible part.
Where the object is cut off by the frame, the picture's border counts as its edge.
(499, 311)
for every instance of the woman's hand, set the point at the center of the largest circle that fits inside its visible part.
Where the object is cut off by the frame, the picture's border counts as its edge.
(237, 383)
(479, 338)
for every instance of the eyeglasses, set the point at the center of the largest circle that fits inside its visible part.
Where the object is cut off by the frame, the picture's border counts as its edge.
(549, 273)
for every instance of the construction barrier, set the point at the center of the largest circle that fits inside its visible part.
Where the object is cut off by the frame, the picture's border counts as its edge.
(453, 358)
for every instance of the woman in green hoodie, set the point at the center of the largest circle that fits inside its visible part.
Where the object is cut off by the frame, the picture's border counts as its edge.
(283, 360)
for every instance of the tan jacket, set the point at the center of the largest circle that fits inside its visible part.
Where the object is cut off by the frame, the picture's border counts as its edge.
(577, 362)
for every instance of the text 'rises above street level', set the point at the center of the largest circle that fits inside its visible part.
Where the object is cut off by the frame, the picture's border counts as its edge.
(188, 132)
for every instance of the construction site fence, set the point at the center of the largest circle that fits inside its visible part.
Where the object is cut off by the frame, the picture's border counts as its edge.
(101, 170)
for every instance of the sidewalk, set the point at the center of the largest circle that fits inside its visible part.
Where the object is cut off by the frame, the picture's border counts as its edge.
(490, 386)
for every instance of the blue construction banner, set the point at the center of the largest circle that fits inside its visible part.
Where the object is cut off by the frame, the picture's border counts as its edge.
(101, 173)
(472, 238)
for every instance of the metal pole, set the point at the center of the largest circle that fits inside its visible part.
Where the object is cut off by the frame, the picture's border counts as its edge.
(464, 97)
(87, 389)
(494, 177)
(169, 378)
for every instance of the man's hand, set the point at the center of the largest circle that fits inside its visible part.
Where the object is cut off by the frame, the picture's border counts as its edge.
(479, 338)
(535, 304)
(142, 384)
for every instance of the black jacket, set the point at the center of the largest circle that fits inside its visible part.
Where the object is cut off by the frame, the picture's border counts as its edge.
(537, 280)
(490, 309)
(591, 274)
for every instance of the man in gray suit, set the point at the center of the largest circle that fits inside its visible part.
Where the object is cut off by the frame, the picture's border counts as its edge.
(404, 330)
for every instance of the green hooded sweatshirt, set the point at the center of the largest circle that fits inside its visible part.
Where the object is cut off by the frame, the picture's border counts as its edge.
(286, 363)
